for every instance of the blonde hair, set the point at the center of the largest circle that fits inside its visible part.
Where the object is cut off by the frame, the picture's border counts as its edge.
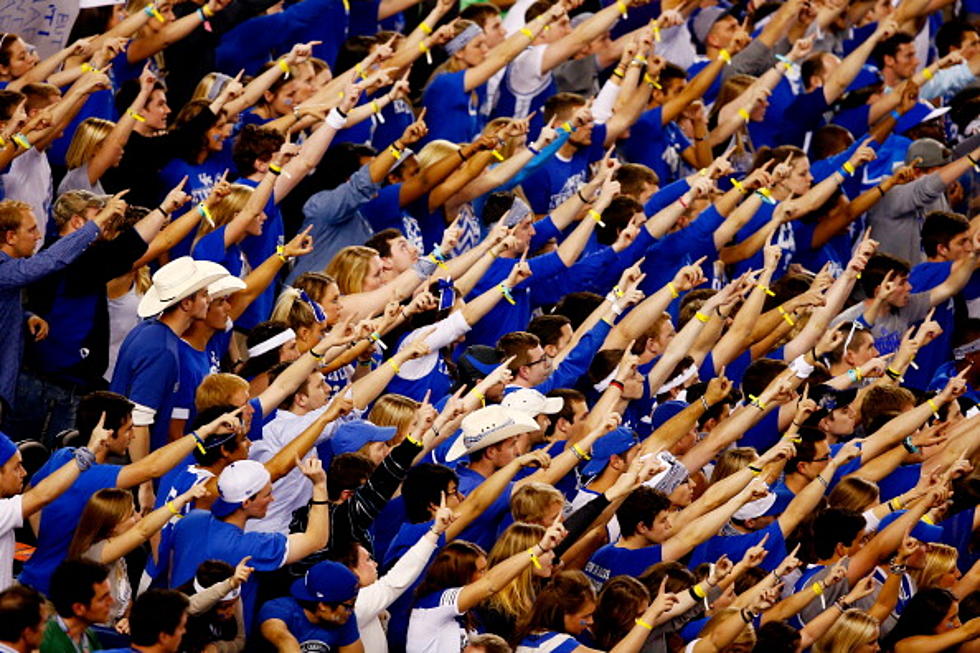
(940, 560)
(349, 267)
(216, 389)
(203, 89)
(434, 151)
(225, 210)
(732, 461)
(854, 493)
(291, 309)
(852, 629)
(394, 410)
(103, 512)
(516, 597)
(86, 140)
(531, 501)
(315, 284)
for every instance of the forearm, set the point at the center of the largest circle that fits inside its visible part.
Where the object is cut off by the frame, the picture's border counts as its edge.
(472, 264)
(53, 485)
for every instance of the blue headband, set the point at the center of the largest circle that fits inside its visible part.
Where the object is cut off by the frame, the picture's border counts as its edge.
(318, 313)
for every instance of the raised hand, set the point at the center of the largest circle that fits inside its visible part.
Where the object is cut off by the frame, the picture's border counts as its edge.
(312, 468)
(99, 438)
(299, 245)
(176, 198)
(242, 572)
(536, 458)
(444, 516)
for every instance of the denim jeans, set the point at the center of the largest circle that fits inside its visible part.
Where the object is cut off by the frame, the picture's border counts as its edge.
(42, 409)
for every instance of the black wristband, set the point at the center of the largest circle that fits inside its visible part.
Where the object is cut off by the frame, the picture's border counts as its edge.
(315, 502)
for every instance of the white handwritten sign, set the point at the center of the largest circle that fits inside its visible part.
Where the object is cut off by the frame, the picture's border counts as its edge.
(43, 23)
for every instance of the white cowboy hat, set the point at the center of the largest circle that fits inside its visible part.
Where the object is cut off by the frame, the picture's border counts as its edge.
(532, 402)
(225, 286)
(488, 426)
(176, 280)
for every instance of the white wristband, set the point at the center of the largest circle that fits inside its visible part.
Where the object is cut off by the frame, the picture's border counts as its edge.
(335, 120)
(801, 368)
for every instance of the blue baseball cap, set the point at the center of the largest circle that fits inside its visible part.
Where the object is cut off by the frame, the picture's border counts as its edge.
(7, 448)
(921, 531)
(920, 113)
(665, 411)
(616, 442)
(353, 435)
(327, 582)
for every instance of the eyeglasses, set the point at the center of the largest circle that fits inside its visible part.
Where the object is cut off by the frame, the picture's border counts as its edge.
(821, 459)
(540, 360)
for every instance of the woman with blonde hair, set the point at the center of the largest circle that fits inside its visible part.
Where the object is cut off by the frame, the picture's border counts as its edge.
(110, 528)
(501, 612)
(395, 410)
(855, 631)
(97, 144)
(939, 567)
(231, 213)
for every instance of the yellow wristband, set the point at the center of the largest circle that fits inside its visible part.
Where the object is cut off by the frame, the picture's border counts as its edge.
(89, 68)
(786, 316)
(394, 365)
(595, 215)
(725, 56)
(281, 253)
(497, 155)
(817, 588)
(207, 11)
(699, 591)
(933, 406)
(394, 151)
(528, 33)
(622, 8)
(582, 454)
(765, 289)
(673, 290)
(744, 114)
(849, 167)
(651, 81)
(927, 73)
(534, 558)
(413, 441)
(567, 126)
(425, 28)
(205, 212)
(640, 622)
(375, 107)
(701, 317)
(283, 66)
(135, 116)
(929, 520)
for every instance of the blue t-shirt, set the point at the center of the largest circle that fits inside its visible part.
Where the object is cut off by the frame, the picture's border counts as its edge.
(454, 112)
(200, 536)
(256, 250)
(612, 560)
(194, 366)
(310, 636)
(483, 530)
(60, 518)
(557, 180)
(735, 546)
(656, 145)
(148, 373)
(211, 247)
(549, 642)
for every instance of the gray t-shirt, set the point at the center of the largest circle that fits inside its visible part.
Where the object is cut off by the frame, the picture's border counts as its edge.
(889, 328)
(77, 179)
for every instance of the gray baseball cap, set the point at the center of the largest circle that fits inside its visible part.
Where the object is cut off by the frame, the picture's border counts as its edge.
(932, 152)
(705, 20)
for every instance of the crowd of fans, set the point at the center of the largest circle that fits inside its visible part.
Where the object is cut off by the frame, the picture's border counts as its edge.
(533, 326)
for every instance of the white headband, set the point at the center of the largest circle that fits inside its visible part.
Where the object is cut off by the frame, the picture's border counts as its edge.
(960, 352)
(683, 377)
(277, 340)
(230, 596)
(602, 385)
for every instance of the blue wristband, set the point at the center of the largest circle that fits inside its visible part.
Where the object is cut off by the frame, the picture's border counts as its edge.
(895, 114)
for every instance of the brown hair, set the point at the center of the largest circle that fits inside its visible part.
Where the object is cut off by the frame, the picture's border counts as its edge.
(454, 565)
(12, 214)
(216, 390)
(567, 592)
(621, 601)
(517, 344)
(103, 512)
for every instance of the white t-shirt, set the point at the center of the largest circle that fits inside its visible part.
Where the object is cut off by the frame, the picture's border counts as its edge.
(122, 319)
(292, 491)
(11, 517)
(433, 627)
(77, 179)
(29, 180)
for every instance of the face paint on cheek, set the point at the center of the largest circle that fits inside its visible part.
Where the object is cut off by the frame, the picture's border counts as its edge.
(288, 102)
